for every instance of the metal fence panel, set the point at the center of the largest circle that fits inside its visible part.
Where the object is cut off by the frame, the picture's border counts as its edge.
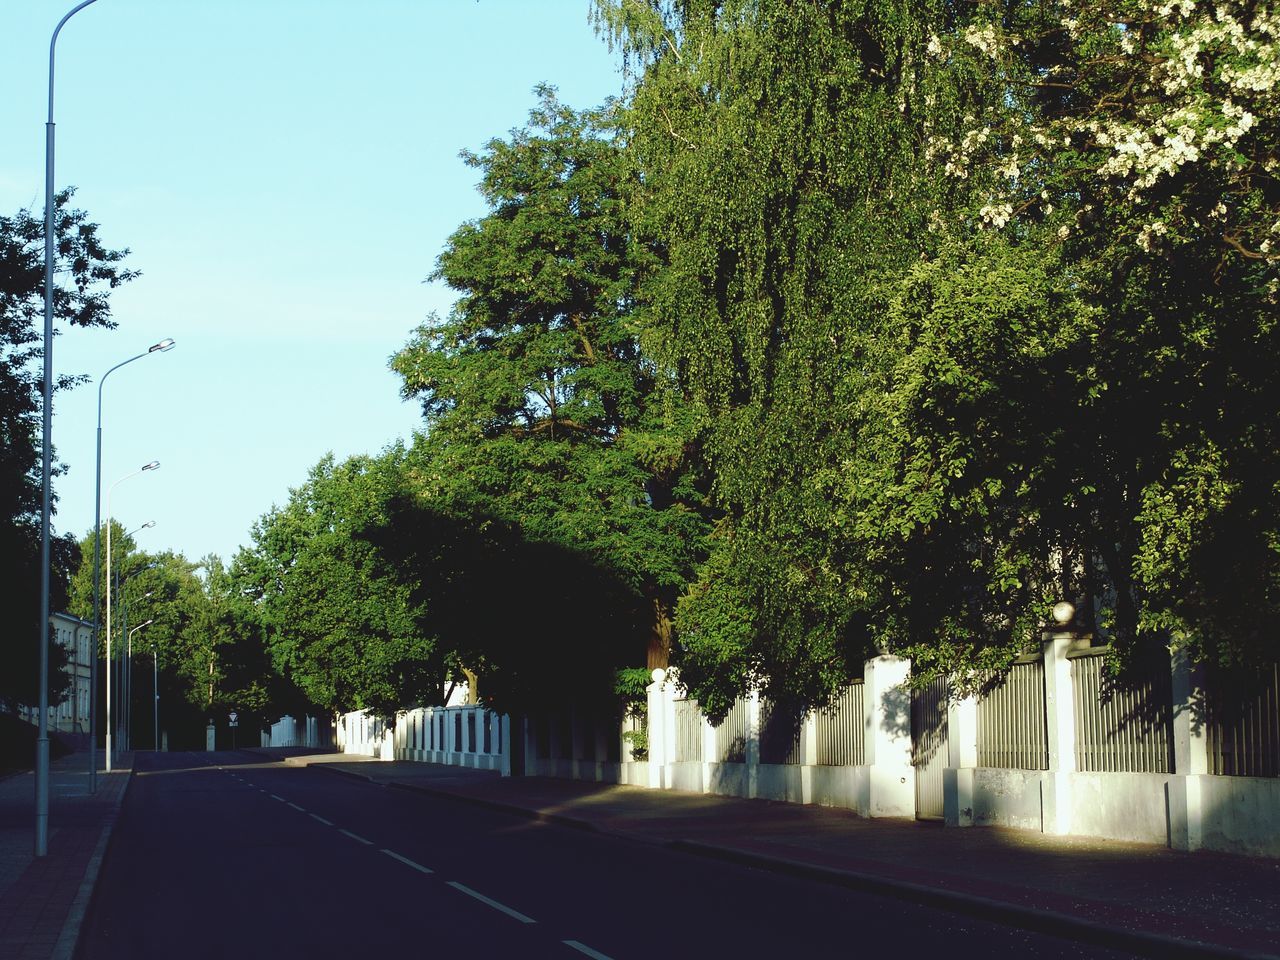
(1121, 727)
(1012, 731)
(929, 749)
(689, 727)
(780, 733)
(731, 734)
(841, 729)
(1243, 723)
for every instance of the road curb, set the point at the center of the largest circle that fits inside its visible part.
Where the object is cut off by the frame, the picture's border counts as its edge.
(73, 926)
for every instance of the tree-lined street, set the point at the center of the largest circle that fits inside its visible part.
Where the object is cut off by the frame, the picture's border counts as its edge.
(216, 855)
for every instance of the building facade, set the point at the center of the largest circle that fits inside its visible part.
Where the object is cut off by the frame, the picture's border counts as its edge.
(76, 637)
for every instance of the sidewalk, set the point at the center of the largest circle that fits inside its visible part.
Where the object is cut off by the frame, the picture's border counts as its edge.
(42, 901)
(1131, 896)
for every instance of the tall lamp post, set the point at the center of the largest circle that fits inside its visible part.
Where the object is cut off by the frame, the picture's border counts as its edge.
(153, 465)
(164, 346)
(42, 738)
(129, 660)
(125, 677)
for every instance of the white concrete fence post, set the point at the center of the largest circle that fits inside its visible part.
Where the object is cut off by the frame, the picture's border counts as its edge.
(808, 755)
(753, 744)
(962, 761)
(1060, 723)
(710, 758)
(657, 726)
(891, 781)
(1190, 755)
(504, 728)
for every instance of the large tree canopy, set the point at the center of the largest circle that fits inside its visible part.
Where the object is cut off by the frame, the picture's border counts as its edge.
(552, 446)
(339, 622)
(976, 306)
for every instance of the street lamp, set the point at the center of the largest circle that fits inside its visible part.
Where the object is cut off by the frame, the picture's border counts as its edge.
(153, 465)
(126, 669)
(155, 694)
(125, 675)
(129, 660)
(46, 504)
(164, 346)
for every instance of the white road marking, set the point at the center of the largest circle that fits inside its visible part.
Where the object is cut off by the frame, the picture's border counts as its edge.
(356, 836)
(296, 807)
(405, 860)
(583, 948)
(281, 799)
(327, 823)
(493, 903)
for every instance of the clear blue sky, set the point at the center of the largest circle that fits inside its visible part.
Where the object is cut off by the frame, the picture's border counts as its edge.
(285, 173)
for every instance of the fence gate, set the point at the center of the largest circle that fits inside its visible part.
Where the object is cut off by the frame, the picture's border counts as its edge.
(929, 747)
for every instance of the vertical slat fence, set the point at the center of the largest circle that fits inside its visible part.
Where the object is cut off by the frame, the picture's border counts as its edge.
(1011, 721)
(1121, 726)
(731, 734)
(1243, 723)
(689, 726)
(841, 729)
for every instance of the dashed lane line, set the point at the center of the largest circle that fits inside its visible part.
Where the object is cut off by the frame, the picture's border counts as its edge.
(583, 948)
(405, 860)
(296, 807)
(356, 836)
(492, 903)
(281, 799)
(316, 816)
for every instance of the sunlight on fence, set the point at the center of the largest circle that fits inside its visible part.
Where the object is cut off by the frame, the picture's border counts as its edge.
(1120, 728)
(841, 729)
(1011, 721)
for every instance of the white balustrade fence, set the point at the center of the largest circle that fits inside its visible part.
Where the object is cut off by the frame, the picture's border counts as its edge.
(286, 732)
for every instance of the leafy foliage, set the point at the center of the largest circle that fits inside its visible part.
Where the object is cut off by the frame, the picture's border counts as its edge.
(975, 306)
(339, 622)
(554, 470)
(93, 271)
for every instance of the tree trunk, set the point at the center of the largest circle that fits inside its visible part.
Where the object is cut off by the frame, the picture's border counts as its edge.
(473, 686)
(659, 652)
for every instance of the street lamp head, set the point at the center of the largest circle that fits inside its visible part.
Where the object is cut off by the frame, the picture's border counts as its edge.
(164, 346)
(148, 525)
(153, 465)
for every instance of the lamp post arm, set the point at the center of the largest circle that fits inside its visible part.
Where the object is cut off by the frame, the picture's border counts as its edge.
(103, 379)
(53, 43)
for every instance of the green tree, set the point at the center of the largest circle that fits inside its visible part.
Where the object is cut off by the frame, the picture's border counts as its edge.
(204, 633)
(549, 434)
(92, 271)
(976, 304)
(338, 620)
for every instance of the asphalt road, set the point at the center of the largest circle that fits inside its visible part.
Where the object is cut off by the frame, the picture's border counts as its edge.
(219, 856)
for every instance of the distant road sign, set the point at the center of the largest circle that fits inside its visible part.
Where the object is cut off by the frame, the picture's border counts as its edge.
(234, 718)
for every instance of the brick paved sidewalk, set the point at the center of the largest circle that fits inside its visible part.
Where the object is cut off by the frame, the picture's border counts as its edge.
(42, 901)
(1134, 896)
